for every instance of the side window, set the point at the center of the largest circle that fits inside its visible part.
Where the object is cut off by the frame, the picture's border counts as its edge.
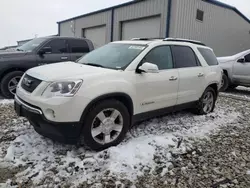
(209, 56)
(247, 58)
(161, 56)
(58, 46)
(78, 46)
(184, 57)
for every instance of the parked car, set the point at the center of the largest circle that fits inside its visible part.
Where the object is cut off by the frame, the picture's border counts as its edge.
(39, 51)
(96, 100)
(236, 70)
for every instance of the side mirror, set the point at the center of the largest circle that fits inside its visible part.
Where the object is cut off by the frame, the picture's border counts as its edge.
(148, 68)
(45, 50)
(242, 60)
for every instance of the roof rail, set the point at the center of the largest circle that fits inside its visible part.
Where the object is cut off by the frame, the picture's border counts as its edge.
(147, 38)
(184, 40)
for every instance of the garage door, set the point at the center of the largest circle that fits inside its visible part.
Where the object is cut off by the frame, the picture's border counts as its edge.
(147, 27)
(96, 34)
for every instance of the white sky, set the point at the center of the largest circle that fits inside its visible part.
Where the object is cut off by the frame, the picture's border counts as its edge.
(23, 19)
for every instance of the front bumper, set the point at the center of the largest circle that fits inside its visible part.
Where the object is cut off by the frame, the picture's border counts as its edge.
(67, 132)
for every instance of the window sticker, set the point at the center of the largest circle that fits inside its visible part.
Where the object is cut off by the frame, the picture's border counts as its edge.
(137, 47)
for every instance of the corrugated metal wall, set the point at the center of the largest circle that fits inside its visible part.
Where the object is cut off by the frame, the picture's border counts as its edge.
(99, 19)
(133, 11)
(141, 10)
(222, 29)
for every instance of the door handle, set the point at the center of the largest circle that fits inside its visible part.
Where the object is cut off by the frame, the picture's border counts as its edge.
(200, 75)
(173, 78)
(64, 58)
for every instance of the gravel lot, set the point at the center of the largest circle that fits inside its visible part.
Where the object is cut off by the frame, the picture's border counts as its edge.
(178, 150)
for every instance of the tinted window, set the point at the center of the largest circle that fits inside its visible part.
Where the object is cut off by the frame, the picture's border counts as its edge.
(161, 56)
(199, 15)
(247, 58)
(58, 46)
(208, 56)
(184, 57)
(78, 46)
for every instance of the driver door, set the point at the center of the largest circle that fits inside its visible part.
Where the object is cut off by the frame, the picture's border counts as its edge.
(157, 91)
(241, 71)
(56, 51)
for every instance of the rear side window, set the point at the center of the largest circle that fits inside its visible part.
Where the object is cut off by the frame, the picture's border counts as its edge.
(184, 57)
(58, 46)
(78, 46)
(209, 56)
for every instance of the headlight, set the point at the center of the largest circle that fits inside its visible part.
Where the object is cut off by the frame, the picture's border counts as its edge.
(64, 88)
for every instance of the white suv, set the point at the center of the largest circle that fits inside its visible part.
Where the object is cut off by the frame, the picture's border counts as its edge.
(96, 100)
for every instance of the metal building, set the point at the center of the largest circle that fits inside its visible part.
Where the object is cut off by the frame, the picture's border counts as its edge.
(220, 26)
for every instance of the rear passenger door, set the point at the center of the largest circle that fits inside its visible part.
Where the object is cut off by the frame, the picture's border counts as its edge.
(191, 74)
(59, 52)
(77, 48)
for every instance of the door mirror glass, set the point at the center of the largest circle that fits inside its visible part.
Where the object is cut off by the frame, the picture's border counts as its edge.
(45, 50)
(148, 68)
(242, 60)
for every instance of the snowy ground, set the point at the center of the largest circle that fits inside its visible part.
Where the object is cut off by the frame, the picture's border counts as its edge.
(242, 93)
(30, 160)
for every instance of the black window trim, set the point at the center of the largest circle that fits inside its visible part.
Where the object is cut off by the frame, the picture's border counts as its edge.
(196, 57)
(141, 62)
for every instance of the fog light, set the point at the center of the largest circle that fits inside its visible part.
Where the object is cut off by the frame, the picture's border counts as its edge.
(50, 114)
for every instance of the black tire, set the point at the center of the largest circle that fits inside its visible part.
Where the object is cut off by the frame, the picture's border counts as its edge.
(86, 136)
(5, 82)
(199, 106)
(232, 87)
(225, 83)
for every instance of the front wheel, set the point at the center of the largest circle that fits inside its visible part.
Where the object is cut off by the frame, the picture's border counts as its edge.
(206, 103)
(9, 84)
(105, 125)
(225, 83)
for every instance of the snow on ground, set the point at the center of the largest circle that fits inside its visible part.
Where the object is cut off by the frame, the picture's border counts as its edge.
(6, 101)
(140, 153)
(241, 93)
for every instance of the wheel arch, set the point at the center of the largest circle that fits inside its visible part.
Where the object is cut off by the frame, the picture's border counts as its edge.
(122, 97)
(9, 70)
(215, 87)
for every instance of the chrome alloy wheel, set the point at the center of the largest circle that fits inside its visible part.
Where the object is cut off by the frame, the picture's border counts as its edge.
(12, 85)
(208, 102)
(107, 126)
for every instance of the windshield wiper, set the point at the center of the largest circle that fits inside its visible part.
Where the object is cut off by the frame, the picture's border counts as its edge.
(95, 65)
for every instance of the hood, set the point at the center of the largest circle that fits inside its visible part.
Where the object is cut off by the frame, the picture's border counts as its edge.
(12, 54)
(65, 70)
(225, 59)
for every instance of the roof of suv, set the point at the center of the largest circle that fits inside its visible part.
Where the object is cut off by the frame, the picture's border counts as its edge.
(178, 41)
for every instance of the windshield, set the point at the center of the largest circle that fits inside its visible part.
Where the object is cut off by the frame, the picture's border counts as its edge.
(113, 55)
(31, 45)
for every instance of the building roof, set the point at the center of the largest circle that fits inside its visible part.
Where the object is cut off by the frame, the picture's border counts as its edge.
(215, 2)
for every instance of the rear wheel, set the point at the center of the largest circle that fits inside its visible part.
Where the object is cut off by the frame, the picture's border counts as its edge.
(9, 84)
(105, 125)
(207, 102)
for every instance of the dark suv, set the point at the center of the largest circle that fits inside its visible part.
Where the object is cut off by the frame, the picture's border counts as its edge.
(39, 51)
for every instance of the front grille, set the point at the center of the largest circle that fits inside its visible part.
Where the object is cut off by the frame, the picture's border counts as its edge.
(30, 83)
